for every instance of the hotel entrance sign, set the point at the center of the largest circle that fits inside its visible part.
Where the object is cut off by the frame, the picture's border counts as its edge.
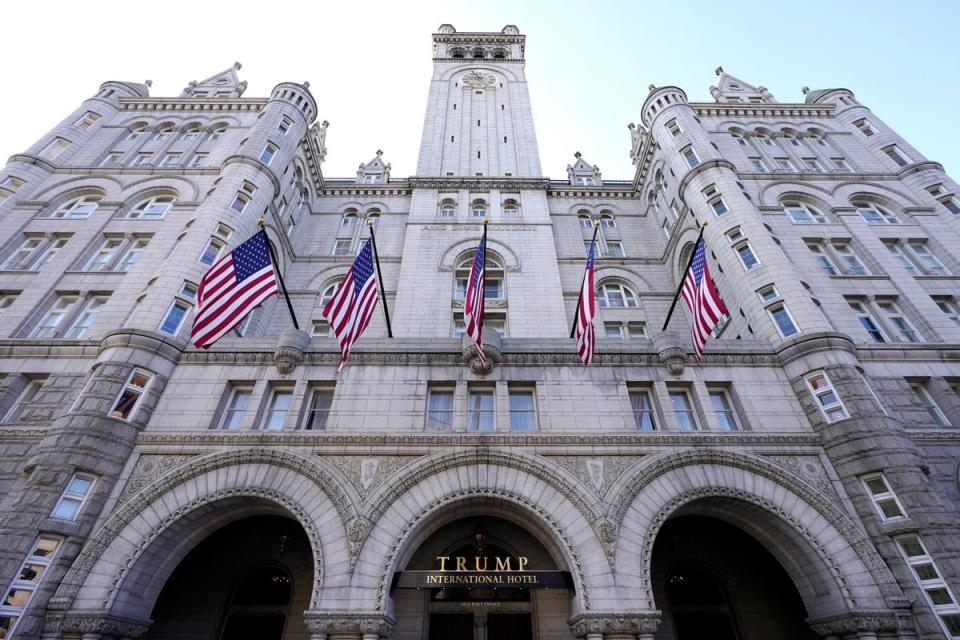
(483, 572)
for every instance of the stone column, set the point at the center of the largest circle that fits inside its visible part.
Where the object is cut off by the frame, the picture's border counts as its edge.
(615, 626)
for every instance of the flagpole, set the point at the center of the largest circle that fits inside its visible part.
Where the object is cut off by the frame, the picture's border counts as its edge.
(483, 290)
(383, 293)
(576, 312)
(276, 270)
(683, 279)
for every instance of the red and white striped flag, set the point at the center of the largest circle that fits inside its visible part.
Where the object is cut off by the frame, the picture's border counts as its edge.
(474, 298)
(586, 310)
(702, 299)
(233, 287)
(352, 304)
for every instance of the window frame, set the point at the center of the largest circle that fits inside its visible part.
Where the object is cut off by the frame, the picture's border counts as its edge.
(138, 391)
(230, 410)
(728, 411)
(80, 499)
(885, 496)
(524, 390)
(270, 411)
(475, 415)
(690, 411)
(311, 410)
(821, 392)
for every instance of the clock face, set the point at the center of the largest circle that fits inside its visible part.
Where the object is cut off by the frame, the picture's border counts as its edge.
(478, 80)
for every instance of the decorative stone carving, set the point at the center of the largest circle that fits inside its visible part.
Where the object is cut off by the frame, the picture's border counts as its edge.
(810, 469)
(863, 621)
(290, 349)
(670, 351)
(644, 622)
(150, 467)
(491, 351)
(478, 80)
(97, 622)
(349, 622)
(367, 473)
(597, 473)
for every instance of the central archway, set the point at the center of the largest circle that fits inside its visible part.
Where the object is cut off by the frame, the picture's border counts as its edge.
(481, 577)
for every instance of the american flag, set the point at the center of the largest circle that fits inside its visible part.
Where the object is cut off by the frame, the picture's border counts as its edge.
(473, 300)
(352, 304)
(702, 298)
(232, 288)
(586, 310)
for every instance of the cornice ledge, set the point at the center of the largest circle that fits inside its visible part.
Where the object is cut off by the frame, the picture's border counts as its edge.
(150, 341)
(808, 344)
(256, 164)
(917, 167)
(480, 182)
(29, 158)
(718, 163)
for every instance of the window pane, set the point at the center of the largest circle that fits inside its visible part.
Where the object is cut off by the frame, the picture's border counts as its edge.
(521, 411)
(642, 410)
(236, 409)
(480, 415)
(279, 406)
(79, 486)
(440, 411)
(125, 404)
(67, 508)
(319, 410)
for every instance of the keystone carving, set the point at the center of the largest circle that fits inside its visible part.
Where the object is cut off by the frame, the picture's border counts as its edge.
(670, 351)
(289, 351)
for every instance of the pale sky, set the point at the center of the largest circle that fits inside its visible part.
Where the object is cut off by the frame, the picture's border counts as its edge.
(588, 63)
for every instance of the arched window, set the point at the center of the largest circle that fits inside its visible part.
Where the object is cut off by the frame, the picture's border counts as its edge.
(492, 278)
(584, 219)
(165, 131)
(448, 209)
(136, 132)
(478, 53)
(77, 208)
(511, 209)
(327, 294)
(763, 138)
(217, 132)
(874, 213)
(457, 54)
(816, 137)
(607, 221)
(151, 208)
(191, 132)
(499, 54)
(373, 215)
(349, 218)
(801, 212)
(479, 208)
(792, 139)
(613, 294)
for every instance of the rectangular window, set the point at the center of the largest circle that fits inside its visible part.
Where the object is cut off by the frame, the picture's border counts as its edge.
(28, 579)
(20, 255)
(897, 155)
(439, 409)
(841, 165)
(284, 125)
(54, 148)
(850, 260)
(174, 318)
(864, 126)
(86, 318)
(867, 321)
(269, 151)
(614, 249)
(23, 400)
(768, 293)
(132, 256)
(6, 299)
(171, 159)
(212, 251)
(141, 159)
(900, 323)
(826, 397)
(523, 415)
(637, 329)
(897, 252)
(613, 330)
(278, 408)
(240, 202)
(928, 576)
(320, 328)
(683, 410)
(931, 265)
(883, 497)
(643, 413)
(127, 402)
(690, 156)
(51, 322)
(73, 497)
(112, 158)
(49, 253)
(101, 260)
(784, 164)
(341, 248)
(951, 204)
(673, 127)
(927, 402)
(723, 409)
(947, 305)
(236, 407)
(783, 320)
(318, 409)
(87, 120)
(747, 257)
(812, 164)
(480, 412)
(199, 160)
(758, 165)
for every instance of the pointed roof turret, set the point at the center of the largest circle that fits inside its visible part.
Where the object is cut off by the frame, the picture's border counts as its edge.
(733, 89)
(375, 171)
(225, 84)
(582, 173)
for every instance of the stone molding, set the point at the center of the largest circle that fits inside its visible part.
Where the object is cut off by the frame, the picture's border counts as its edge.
(478, 183)
(94, 622)
(100, 541)
(863, 621)
(615, 622)
(349, 622)
(150, 341)
(762, 110)
(193, 104)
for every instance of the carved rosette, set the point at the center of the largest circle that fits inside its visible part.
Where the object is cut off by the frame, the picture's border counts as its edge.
(349, 622)
(478, 80)
(644, 622)
(863, 621)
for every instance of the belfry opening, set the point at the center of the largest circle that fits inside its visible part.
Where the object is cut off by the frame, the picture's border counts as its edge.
(482, 578)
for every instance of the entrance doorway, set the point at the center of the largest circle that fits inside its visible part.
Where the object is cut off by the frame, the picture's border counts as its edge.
(502, 610)
(249, 579)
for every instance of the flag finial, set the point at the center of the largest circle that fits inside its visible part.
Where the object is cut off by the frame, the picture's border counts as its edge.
(596, 222)
(260, 221)
(485, 220)
(369, 222)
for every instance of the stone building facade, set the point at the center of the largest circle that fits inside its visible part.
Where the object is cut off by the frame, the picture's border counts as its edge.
(802, 482)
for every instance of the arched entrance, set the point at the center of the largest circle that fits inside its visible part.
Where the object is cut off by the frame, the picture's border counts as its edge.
(711, 579)
(249, 579)
(481, 578)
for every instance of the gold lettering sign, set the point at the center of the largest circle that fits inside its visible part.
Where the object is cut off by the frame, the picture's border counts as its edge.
(481, 564)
